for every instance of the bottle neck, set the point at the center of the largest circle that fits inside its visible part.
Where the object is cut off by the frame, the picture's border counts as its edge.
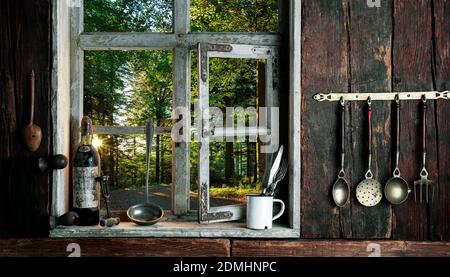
(86, 139)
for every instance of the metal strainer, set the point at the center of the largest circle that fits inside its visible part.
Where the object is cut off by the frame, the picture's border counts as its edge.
(369, 191)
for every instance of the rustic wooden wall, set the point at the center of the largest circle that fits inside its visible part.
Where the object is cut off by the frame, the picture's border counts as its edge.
(352, 48)
(346, 47)
(24, 45)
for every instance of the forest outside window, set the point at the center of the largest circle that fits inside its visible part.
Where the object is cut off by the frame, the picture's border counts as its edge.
(135, 60)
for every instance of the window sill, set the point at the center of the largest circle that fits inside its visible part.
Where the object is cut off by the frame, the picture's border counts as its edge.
(175, 229)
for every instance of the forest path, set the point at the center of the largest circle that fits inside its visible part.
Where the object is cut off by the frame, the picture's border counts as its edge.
(160, 195)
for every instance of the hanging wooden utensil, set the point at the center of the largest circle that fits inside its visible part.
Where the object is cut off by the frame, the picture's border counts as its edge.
(32, 133)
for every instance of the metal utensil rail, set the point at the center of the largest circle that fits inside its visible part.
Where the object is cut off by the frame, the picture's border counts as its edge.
(382, 96)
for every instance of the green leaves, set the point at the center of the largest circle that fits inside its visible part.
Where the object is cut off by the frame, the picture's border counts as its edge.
(128, 16)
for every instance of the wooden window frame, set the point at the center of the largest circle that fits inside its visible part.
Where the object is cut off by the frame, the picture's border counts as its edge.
(206, 51)
(69, 44)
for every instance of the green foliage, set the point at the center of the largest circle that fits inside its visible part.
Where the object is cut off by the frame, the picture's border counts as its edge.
(234, 15)
(129, 87)
(128, 15)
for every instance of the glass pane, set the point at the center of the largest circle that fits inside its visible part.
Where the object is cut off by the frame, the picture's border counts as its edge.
(234, 15)
(235, 166)
(126, 88)
(233, 172)
(123, 159)
(128, 16)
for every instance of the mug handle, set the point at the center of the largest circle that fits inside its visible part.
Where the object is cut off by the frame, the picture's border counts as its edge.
(282, 209)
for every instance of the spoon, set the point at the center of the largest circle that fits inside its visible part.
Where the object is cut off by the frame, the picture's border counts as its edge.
(341, 189)
(146, 213)
(32, 133)
(369, 192)
(397, 190)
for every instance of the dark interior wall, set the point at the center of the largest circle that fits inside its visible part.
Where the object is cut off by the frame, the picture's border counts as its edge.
(349, 47)
(25, 32)
(346, 47)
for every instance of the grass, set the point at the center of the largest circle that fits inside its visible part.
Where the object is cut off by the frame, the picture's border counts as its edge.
(236, 192)
(137, 187)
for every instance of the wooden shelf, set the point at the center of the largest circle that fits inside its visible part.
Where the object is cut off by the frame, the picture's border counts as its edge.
(339, 248)
(174, 229)
(204, 247)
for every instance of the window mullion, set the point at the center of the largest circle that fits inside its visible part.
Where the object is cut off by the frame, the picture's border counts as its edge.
(181, 99)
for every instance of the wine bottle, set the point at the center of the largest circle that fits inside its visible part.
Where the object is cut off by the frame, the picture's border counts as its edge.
(86, 192)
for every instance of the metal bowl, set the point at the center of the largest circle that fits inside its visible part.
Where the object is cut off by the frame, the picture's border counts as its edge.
(145, 214)
(396, 190)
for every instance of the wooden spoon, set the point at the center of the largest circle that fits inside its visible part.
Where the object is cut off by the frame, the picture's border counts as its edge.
(32, 133)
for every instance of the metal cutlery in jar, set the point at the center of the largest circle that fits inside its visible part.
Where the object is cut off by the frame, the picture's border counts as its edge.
(273, 170)
(280, 176)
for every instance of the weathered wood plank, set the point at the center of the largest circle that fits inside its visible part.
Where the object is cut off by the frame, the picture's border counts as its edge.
(76, 104)
(24, 44)
(370, 44)
(440, 212)
(129, 130)
(324, 64)
(125, 247)
(295, 27)
(181, 99)
(165, 41)
(338, 248)
(412, 71)
(166, 228)
(217, 132)
(60, 102)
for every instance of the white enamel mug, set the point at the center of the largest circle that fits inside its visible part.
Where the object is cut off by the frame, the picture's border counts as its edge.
(260, 211)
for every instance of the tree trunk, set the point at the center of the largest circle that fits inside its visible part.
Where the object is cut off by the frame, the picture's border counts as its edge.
(255, 162)
(163, 150)
(134, 155)
(229, 162)
(116, 171)
(249, 157)
(158, 162)
(261, 87)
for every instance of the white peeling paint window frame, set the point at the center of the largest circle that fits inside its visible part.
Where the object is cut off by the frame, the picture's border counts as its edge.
(268, 54)
(68, 46)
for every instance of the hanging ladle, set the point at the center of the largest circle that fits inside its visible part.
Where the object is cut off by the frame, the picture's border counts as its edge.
(146, 213)
(397, 190)
(32, 133)
(369, 192)
(341, 189)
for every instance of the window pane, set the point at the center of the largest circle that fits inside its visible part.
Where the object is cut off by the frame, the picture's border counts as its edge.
(123, 159)
(234, 15)
(128, 16)
(126, 88)
(235, 167)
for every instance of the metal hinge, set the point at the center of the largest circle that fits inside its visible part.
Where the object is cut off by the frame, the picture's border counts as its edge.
(203, 50)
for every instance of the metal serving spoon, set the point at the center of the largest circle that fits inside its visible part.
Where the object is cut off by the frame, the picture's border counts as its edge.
(397, 190)
(341, 188)
(146, 213)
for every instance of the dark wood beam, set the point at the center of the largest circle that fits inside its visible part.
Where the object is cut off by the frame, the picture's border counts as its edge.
(141, 247)
(163, 247)
(339, 248)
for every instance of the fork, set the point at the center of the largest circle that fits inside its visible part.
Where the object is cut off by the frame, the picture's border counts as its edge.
(280, 175)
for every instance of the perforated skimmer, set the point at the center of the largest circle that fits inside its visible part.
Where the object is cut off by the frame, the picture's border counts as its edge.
(369, 191)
